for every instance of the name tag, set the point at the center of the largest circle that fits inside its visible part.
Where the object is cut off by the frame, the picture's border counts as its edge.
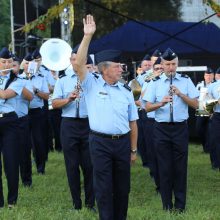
(103, 93)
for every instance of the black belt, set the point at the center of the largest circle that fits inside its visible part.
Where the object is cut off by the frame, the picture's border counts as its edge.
(173, 123)
(150, 119)
(2, 115)
(111, 136)
(34, 110)
(76, 119)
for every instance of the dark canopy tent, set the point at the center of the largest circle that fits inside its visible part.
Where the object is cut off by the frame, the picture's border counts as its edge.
(135, 38)
(199, 42)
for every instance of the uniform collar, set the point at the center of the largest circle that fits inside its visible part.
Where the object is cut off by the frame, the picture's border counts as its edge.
(103, 82)
(7, 76)
(164, 77)
(73, 74)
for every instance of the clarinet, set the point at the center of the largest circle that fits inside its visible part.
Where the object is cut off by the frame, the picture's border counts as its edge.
(171, 94)
(78, 89)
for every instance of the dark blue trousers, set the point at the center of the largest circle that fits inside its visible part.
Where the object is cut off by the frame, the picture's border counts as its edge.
(202, 128)
(54, 117)
(25, 151)
(150, 149)
(171, 142)
(74, 140)
(111, 168)
(141, 143)
(215, 139)
(10, 151)
(36, 121)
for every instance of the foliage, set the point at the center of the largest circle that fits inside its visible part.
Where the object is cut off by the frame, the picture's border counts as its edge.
(49, 198)
(52, 13)
(140, 10)
(5, 35)
(213, 5)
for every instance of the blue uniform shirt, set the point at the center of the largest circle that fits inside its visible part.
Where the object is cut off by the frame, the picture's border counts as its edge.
(47, 75)
(10, 104)
(110, 107)
(214, 91)
(143, 100)
(39, 82)
(159, 88)
(63, 87)
(21, 103)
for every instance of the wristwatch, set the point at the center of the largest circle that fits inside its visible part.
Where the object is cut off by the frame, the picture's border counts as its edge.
(36, 91)
(134, 151)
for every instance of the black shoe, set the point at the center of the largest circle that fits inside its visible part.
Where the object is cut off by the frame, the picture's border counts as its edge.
(179, 210)
(41, 172)
(27, 185)
(92, 209)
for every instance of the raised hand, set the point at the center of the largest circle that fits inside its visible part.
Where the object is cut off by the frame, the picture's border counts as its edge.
(89, 25)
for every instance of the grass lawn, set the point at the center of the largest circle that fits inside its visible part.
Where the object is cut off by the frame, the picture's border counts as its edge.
(49, 198)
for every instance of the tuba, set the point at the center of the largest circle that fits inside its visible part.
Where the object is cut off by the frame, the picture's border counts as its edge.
(136, 89)
(56, 55)
(206, 103)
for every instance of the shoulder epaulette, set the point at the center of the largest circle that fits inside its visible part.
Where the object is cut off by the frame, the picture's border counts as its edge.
(127, 87)
(45, 67)
(12, 78)
(40, 75)
(61, 76)
(156, 78)
(147, 80)
(95, 75)
(184, 75)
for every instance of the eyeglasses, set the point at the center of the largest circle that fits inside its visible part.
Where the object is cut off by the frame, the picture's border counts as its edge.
(158, 68)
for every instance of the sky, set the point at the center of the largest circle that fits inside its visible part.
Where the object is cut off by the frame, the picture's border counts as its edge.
(195, 10)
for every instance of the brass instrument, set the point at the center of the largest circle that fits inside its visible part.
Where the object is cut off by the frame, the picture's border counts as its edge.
(136, 89)
(206, 103)
(56, 54)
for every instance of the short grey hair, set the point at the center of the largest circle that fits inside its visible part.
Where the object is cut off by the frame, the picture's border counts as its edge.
(103, 65)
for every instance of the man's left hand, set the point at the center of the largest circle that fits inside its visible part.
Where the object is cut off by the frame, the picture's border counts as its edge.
(133, 158)
(175, 90)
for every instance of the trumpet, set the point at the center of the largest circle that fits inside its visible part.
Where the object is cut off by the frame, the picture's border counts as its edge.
(5, 70)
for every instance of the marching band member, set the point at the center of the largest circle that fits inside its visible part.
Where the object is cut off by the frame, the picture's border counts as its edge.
(149, 123)
(22, 104)
(170, 128)
(74, 136)
(202, 122)
(10, 87)
(37, 124)
(214, 92)
(112, 118)
(47, 132)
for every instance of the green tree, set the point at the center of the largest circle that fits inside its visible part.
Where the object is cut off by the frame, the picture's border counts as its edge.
(141, 10)
(5, 36)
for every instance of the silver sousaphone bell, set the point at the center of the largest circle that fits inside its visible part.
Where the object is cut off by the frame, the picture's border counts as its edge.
(56, 54)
